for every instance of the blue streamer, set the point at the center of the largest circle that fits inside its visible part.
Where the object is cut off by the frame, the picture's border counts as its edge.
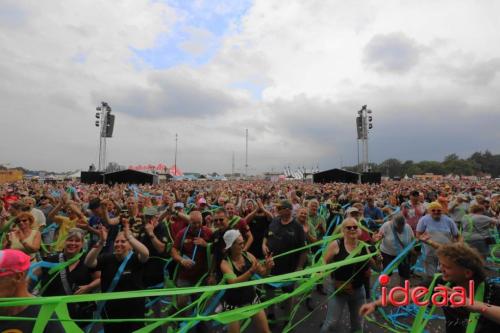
(50, 227)
(41, 264)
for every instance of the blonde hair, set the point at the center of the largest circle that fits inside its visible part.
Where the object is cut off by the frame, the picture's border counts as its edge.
(340, 228)
(27, 215)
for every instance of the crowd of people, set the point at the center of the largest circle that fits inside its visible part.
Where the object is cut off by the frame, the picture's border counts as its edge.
(69, 238)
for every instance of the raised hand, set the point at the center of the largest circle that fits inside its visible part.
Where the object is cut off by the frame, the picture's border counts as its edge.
(149, 227)
(103, 233)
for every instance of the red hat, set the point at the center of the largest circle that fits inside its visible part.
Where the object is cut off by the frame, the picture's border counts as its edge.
(13, 261)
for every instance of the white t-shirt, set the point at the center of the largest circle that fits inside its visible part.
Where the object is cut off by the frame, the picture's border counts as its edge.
(390, 245)
(40, 219)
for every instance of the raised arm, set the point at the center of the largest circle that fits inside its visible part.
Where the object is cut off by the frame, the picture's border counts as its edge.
(91, 258)
(141, 249)
(55, 210)
(157, 244)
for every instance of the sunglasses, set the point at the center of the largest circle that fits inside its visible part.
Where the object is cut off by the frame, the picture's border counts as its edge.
(352, 227)
(218, 220)
(436, 211)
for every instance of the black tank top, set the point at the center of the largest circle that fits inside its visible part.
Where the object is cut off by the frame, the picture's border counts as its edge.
(344, 273)
(243, 295)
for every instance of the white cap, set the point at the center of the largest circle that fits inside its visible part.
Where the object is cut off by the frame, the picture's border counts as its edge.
(178, 205)
(230, 236)
(351, 210)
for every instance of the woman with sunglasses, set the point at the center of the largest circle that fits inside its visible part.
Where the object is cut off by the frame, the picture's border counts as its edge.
(240, 266)
(348, 280)
(75, 279)
(22, 237)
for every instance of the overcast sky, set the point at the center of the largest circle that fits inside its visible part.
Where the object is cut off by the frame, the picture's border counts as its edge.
(293, 72)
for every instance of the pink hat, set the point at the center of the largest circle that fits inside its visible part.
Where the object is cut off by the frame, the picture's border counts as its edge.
(13, 261)
(202, 201)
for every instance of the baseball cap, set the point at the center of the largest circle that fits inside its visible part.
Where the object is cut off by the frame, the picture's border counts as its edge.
(285, 204)
(434, 205)
(178, 205)
(13, 261)
(351, 210)
(230, 236)
(202, 201)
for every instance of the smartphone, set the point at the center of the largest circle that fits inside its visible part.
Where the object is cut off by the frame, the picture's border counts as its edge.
(124, 212)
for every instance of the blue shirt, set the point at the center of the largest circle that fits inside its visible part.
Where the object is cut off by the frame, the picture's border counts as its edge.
(374, 213)
(442, 231)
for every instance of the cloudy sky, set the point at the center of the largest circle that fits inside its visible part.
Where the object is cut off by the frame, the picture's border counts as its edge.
(293, 72)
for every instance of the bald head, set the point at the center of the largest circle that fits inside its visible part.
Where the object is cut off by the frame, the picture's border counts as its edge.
(195, 219)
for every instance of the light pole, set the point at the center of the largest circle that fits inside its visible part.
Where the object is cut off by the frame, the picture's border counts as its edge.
(246, 153)
(363, 125)
(175, 156)
(105, 121)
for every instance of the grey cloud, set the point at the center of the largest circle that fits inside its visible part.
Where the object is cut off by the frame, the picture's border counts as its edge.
(324, 129)
(171, 94)
(430, 127)
(418, 128)
(394, 53)
(479, 73)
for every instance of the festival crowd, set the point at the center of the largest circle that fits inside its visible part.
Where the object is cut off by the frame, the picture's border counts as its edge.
(69, 238)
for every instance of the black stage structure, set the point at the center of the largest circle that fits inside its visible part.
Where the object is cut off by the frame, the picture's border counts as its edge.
(345, 176)
(119, 177)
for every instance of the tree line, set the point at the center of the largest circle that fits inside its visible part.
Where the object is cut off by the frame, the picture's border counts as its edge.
(478, 164)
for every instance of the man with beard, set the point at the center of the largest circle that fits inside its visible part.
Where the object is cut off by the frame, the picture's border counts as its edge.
(190, 252)
(284, 234)
(221, 224)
